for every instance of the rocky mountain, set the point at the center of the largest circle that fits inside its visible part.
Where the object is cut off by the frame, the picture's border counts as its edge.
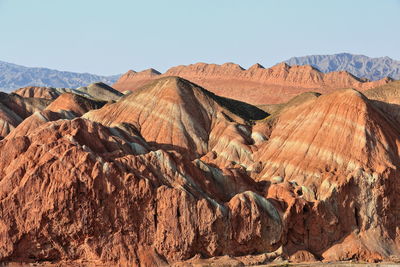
(14, 76)
(359, 65)
(255, 85)
(173, 174)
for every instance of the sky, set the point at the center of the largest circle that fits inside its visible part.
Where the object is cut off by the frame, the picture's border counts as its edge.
(112, 36)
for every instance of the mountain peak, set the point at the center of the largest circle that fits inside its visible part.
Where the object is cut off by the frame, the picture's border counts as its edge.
(256, 67)
(130, 72)
(233, 66)
(151, 71)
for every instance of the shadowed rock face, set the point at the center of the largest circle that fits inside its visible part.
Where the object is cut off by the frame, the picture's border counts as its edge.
(255, 85)
(173, 174)
(14, 109)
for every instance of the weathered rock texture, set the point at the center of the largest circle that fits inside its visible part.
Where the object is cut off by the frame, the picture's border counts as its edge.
(255, 85)
(174, 174)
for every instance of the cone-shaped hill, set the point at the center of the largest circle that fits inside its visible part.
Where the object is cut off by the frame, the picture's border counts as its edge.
(175, 113)
(336, 133)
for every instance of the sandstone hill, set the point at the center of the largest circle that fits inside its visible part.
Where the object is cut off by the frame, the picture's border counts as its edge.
(14, 109)
(175, 114)
(96, 91)
(173, 174)
(255, 85)
(31, 106)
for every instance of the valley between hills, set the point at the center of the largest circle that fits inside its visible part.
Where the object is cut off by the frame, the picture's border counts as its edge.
(203, 165)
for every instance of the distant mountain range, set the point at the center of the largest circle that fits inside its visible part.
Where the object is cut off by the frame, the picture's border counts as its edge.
(359, 65)
(14, 76)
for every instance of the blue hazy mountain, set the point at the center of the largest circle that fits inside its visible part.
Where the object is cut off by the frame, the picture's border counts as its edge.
(14, 76)
(359, 65)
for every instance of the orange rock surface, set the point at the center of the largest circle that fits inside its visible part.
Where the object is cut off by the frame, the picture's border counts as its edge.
(174, 174)
(175, 114)
(38, 92)
(66, 106)
(255, 85)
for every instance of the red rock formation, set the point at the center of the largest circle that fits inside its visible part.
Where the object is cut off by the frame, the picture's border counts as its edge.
(97, 91)
(338, 155)
(38, 92)
(134, 80)
(178, 115)
(100, 196)
(66, 106)
(174, 174)
(14, 109)
(261, 86)
(79, 105)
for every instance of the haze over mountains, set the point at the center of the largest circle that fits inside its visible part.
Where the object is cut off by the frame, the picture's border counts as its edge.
(14, 76)
(359, 65)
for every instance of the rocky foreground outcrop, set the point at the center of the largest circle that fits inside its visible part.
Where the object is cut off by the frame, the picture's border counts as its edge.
(256, 85)
(174, 174)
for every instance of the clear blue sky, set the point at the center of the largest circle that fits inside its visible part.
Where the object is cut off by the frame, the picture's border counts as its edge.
(112, 36)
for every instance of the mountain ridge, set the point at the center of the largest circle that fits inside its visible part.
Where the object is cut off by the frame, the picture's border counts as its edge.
(13, 76)
(359, 65)
(273, 85)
